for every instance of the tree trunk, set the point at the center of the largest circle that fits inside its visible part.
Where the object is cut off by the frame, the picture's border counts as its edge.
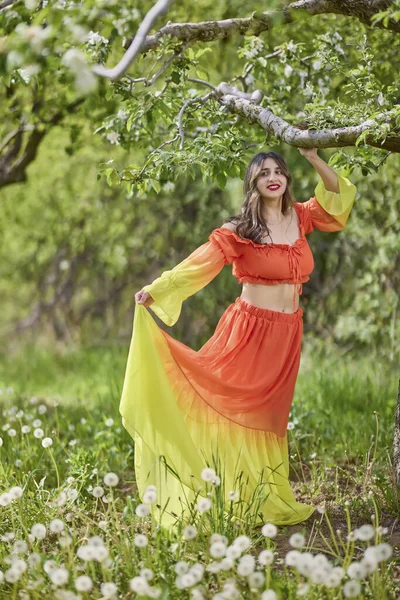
(396, 441)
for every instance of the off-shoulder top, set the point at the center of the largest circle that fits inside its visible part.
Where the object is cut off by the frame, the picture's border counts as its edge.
(265, 264)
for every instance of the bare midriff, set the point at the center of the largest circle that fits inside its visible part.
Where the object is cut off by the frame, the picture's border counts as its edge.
(274, 297)
(278, 296)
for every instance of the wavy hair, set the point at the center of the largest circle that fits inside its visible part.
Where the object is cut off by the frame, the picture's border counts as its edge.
(250, 223)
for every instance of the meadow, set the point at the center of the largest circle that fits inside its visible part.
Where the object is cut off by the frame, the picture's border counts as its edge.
(73, 527)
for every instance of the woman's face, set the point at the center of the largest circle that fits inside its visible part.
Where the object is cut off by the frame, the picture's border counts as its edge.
(271, 182)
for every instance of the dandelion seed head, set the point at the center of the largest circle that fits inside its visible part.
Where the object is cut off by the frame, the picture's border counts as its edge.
(208, 474)
(189, 532)
(38, 531)
(217, 549)
(140, 540)
(142, 510)
(83, 583)
(266, 557)
(351, 588)
(111, 479)
(297, 540)
(269, 530)
(203, 505)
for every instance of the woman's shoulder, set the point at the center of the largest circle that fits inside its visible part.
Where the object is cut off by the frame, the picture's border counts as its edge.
(229, 225)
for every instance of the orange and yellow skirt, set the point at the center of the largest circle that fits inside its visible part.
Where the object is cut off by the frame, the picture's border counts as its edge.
(225, 406)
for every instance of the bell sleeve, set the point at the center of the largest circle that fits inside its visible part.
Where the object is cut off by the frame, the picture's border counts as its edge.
(185, 279)
(329, 211)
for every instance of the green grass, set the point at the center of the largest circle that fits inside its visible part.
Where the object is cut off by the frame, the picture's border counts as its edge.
(340, 446)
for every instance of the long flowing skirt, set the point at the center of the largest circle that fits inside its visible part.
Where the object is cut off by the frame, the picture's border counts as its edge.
(225, 406)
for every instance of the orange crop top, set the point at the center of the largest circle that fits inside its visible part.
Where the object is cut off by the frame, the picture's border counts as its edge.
(267, 264)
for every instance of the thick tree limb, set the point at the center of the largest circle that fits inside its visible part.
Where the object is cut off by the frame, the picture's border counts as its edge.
(208, 31)
(327, 138)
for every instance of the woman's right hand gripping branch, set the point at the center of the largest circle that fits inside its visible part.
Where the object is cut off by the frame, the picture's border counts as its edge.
(144, 297)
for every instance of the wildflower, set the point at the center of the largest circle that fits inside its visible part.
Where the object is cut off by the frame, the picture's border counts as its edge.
(292, 557)
(147, 574)
(246, 565)
(56, 525)
(365, 532)
(25, 429)
(218, 550)
(181, 567)
(356, 571)
(59, 576)
(383, 551)
(149, 497)
(256, 579)
(111, 479)
(109, 422)
(190, 532)
(208, 474)
(15, 492)
(203, 505)
(12, 432)
(351, 589)
(269, 595)
(269, 530)
(20, 546)
(233, 552)
(12, 575)
(141, 540)
(297, 540)
(369, 563)
(98, 491)
(38, 433)
(1, 442)
(83, 583)
(233, 495)
(243, 542)
(47, 442)
(108, 589)
(38, 531)
(139, 585)
(142, 510)
(321, 509)
(266, 557)
(188, 580)
(226, 564)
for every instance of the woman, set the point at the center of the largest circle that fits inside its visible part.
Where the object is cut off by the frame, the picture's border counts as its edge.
(226, 406)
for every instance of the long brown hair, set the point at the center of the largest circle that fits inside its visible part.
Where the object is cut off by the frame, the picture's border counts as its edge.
(250, 223)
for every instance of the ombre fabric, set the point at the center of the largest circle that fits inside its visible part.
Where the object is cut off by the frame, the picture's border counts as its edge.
(226, 405)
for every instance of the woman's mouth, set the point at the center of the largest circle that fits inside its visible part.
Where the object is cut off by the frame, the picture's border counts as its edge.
(274, 186)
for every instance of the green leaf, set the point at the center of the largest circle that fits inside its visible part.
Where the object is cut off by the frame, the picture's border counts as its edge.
(155, 185)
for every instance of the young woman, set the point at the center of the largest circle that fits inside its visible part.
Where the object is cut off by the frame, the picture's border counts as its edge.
(226, 406)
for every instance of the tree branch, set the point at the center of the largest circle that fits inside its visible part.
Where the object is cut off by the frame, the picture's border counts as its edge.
(309, 138)
(208, 31)
(136, 44)
(13, 172)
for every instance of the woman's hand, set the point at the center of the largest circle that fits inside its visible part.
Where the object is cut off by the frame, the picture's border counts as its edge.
(309, 153)
(143, 297)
